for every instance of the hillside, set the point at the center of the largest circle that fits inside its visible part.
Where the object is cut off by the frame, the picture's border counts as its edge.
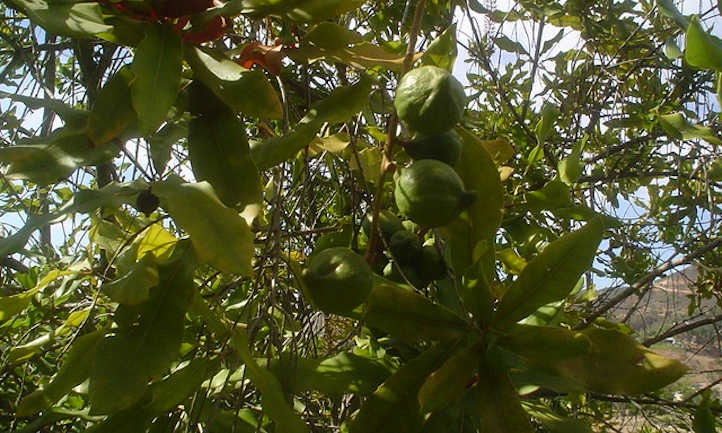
(665, 307)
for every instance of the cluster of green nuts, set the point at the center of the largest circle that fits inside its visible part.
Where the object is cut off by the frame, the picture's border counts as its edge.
(411, 261)
(429, 192)
(430, 101)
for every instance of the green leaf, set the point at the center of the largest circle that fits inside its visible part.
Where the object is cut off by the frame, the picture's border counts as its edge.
(668, 9)
(157, 68)
(75, 369)
(703, 50)
(411, 316)
(394, 407)
(442, 51)
(545, 125)
(220, 236)
(677, 126)
(507, 44)
(55, 159)
(172, 390)
(243, 90)
(615, 364)
(500, 149)
(554, 195)
(339, 106)
(570, 168)
(343, 103)
(147, 340)
(554, 423)
(273, 151)
(552, 274)
(112, 114)
(364, 55)
(471, 237)
(219, 153)
(447, 384)
(15, 304)
(133, 287)
(544, 342)
(344, 373)
(704, 420)
(162, 141)
(499, 408)
(332, 36)
(77, 20)
(74, 118)
(301, 11)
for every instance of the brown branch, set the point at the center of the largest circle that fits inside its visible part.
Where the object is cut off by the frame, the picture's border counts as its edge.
(676, 330)
(13, 264)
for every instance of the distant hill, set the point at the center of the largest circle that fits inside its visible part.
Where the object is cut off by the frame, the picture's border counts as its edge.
(665, 306)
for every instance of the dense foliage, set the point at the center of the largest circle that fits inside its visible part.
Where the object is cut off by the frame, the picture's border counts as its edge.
(211, 223)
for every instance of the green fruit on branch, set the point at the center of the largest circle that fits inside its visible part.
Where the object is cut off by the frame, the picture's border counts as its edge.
(393, 272)
(445, 147)
(405, 247)
(388, 223)
(430, 100)
(430, 193)
(431, 264)
(337, 280)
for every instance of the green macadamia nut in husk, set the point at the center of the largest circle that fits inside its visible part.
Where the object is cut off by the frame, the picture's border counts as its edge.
(337, 280)
(430, 100)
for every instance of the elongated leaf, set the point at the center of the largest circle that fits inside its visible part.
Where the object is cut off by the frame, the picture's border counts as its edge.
(78, 20)
(74, 118)
(301, 11)
(332, 36)
(157, 68)
(703, 50)
(84, 201)
(668, 9)
(15, 304)
(220, 236)
(552, 274)
(341, 374)
(56, 158)
(113, 111)
(478, 225)
(361, 56)
(339, 106)
(147, 341)
(411, 317)
(545, 125)
(615, 364)
(76, 368)
(219, 152)
(544, 342)
(471, 237)
(394, 407)
(448, 383)
(133, 287)
(704, 420)
(499, 408)
(442, 51)
(244, 91)
(172, 390)
(507, 44)
(677, 126)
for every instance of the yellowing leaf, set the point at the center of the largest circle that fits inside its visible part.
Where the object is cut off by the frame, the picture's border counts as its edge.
(220, 236)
